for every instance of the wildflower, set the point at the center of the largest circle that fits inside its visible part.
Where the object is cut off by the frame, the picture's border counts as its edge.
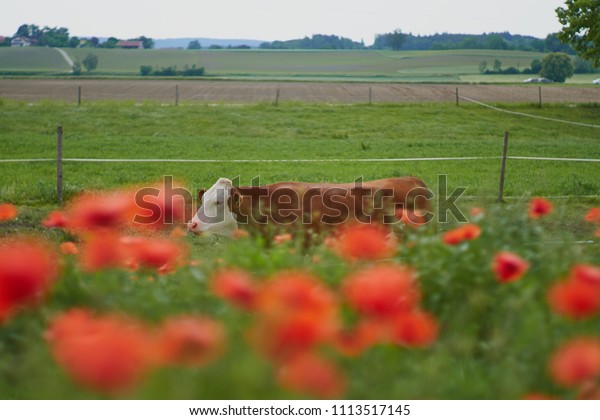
(295, 313)
(240, 234)
(539, 207)
(107, 354)
(354, 341)
(586, 273)
(509, 267)
(103, 251)
(235, 286)
(177, 233)
(366, 242)
(101, 211)
(190, 341)
(27, 270)
(466, 232)
(7, 212)
(477, 212)
(576, 362)
(282, 238)
(593, 215)
(56, 219)
(410, 218)
(312, 375)
(156, 253)
(414, 329)
(69, 248)
(574, 299)
(382, 291)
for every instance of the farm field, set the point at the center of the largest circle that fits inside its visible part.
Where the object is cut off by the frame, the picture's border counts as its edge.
(481, 337)
(384, 66)
(244, 92)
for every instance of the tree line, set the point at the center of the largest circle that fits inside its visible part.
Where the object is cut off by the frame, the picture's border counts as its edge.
(59, 37)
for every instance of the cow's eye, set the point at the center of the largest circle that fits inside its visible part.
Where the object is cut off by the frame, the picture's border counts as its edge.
(219, 203)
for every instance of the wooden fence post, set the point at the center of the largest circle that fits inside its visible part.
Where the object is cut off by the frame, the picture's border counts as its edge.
(503, 168)
(176, 95)
(370, 95)
(277, 97)
(59, 158)
(540, 96)
(456, 96)
(79, 96)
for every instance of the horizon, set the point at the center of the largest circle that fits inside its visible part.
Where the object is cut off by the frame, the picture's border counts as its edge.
(280, 20)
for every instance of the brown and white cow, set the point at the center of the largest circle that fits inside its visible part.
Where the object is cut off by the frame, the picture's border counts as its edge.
(315, 206)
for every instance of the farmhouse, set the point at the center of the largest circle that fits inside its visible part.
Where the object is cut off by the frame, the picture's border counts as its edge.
(132, 45)
(20, 41)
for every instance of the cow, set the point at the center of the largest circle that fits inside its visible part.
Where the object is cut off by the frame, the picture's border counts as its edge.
(315, 206)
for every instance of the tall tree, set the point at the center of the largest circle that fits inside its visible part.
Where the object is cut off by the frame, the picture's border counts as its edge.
(194, 45)
(581, 27)
(90, 62)
(396, 39)
(557, 67)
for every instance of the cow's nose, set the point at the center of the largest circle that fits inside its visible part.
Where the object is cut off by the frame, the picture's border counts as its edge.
(192, 225)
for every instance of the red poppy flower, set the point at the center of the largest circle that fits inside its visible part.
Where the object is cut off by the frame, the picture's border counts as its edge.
(586, 273)
(7, 212)
(27, 270)
(574, 299)
(509, 267)
(355, 341)
(101, 211)
(107, 354)
(367, 242)
(56, 219)
(190, 341)
(410, 218)
(477, 211)
(282, 238)
(382, 291)
(593, 215)
(69, 248)
(539, 207)
(157, 253)
(466, 232)
(312, 375)
(101, 251)
(235, 286)
(576, 362)
(414, 329)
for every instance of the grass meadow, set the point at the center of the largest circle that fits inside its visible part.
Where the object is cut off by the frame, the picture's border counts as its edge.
(493, 339)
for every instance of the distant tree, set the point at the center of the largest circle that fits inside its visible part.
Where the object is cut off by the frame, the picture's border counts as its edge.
(109, 43)
(148, 43)
(536, 66)
(497, 65)
(482, 66)
(557, 67)
(552, 43)
(90, 62)
(145, 70)
(54, 37)
(76, 68)
(581, 27)
(194, 45)
(582, 66)
(73, 42)
(496, 42)
(23, 30)
(215, 47)
(94, 41)
(396, 39)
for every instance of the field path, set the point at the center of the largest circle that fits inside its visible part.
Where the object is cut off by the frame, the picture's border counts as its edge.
(239, 92)
(66, 57)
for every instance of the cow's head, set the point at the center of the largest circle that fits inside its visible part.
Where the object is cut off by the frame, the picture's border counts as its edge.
(215, 215)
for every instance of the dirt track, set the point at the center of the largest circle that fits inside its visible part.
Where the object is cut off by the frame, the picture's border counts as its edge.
(249, 92)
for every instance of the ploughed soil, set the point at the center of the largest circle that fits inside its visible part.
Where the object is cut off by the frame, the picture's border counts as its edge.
(206, 91)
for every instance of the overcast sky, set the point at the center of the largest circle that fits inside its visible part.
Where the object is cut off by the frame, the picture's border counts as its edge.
(270, 20)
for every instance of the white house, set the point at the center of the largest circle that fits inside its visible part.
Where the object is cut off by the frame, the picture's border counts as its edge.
(20, 41)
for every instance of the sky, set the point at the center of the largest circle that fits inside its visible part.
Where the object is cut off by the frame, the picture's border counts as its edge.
(270, 20)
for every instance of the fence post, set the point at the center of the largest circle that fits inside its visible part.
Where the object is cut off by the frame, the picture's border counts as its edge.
(456, 96)
(370, 95)
(79, 96)
(176, 95)
(503, 168)
(59, 158)
(277, 97)
(540, 96)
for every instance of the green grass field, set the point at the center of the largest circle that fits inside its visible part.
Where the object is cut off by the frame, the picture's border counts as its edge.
(495, 339)
(401, 66)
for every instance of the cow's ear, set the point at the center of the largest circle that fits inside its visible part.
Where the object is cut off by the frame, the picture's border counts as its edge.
(201, 194)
